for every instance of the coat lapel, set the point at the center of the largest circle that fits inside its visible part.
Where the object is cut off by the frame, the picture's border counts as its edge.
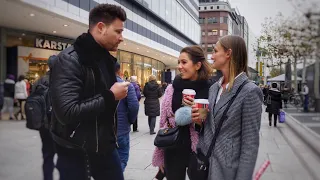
(227, 96)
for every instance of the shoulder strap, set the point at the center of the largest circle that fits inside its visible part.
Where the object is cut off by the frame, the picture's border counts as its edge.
(223, 118)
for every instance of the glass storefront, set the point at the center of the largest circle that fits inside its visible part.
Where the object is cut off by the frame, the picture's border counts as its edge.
(27, 54)
(141, 66)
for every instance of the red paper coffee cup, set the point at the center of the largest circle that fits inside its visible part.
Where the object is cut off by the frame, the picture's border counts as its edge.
(188, 93)
(202, 105)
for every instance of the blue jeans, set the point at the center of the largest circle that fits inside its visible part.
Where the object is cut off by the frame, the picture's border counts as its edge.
(123, 150)
(77, 165)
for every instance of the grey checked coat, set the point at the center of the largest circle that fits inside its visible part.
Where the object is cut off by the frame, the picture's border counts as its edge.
(237, 145)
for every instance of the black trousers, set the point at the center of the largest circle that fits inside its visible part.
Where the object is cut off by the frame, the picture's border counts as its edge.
(135, 125)
(79, 165)
(152, 123)
(275, 117)
(177, 160)
(48, 152)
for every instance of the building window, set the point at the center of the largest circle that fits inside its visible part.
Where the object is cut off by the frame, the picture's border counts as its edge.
(203, 33)
(203, 45)
(210, 45)
(209, 33)
(199, 8)
(221, 32)
(211, 7)
(218, 7)
(212, 20)
(201, 20)
(225, 20)
(215, 32)
(209, 49)
(205, 8)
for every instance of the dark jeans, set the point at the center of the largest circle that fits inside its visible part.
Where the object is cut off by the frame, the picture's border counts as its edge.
(275, 118)
(79, 165)
(48, 152)
(306, 103)
(152, 123)
(135, 125)
(123, 150)
(177, 160)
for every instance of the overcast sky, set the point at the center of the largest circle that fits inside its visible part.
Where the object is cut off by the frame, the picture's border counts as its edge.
(255, 11)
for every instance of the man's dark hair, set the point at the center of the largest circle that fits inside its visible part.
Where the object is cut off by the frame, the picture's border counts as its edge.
(106, 13)
(274, 85)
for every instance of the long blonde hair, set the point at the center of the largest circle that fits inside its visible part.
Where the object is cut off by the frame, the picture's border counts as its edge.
(239, 56)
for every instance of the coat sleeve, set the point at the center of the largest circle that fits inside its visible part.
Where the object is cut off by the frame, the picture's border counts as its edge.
(133, 104)
(66, 89)
(158, 155)
(251, 119)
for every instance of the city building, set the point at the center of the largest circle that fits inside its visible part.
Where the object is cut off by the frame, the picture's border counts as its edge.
(155, 32)
(217, 19)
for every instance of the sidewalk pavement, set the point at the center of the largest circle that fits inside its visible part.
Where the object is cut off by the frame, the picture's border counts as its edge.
(20, 155)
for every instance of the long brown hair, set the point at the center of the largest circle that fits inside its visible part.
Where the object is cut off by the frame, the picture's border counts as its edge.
(239, 56)
(196, 54)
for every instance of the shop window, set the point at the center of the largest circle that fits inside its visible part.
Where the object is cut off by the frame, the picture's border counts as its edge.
(212, 20)
(214, 32)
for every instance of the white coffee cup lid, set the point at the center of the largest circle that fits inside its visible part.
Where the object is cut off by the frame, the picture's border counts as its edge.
(201, 101)
(189, 92)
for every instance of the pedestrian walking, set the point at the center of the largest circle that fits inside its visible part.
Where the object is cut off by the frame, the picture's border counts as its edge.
(133, 80)
(152, 93)
(285, 95)
(233, 123)
(48, 149)
(21, 95)
(127, 114)
(8, 99)
(195, 74)
(85, 94)
(273, 108)
(305, 93)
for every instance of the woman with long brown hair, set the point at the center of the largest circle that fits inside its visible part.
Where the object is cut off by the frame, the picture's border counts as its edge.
(233, 133)
(194, 74)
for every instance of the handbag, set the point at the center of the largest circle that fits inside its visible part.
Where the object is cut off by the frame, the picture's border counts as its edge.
(199, 163)
(168, 138)
(282, 117)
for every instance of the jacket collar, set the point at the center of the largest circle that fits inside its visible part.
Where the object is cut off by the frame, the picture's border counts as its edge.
(89, 50)
(227, 95)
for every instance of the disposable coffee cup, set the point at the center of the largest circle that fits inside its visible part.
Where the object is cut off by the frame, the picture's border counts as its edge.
(189, 93)
(203, 106)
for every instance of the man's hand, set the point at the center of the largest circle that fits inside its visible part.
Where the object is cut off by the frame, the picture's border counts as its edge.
(120, 90)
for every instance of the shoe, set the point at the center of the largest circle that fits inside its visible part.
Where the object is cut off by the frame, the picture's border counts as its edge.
(22, 118)
(16, 116)
(11, 118)
(270, 123)
(151, 133)
(136, 130)
(275, 125)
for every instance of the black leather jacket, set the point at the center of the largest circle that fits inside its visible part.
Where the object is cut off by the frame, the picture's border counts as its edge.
(84, 108)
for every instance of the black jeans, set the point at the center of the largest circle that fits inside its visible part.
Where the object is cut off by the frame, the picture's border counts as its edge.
(152, 123)
(79, 165)
(275, 117)
(135, 125)
(177, 160)
(48, 152)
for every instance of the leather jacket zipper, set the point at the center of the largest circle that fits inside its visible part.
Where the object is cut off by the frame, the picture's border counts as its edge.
(97, 133)
(74, 131)
(114, 123)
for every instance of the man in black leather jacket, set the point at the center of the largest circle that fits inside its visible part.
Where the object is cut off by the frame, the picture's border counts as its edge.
(85, 95)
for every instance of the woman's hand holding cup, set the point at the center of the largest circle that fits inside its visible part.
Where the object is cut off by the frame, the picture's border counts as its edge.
(188, 101)
(195, 115)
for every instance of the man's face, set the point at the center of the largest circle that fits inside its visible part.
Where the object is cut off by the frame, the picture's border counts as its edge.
(110, 36)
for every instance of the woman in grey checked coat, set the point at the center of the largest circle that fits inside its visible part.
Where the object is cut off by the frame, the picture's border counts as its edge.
(235, 152)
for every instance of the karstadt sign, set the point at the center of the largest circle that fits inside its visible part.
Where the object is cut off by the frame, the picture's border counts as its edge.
(53, 45)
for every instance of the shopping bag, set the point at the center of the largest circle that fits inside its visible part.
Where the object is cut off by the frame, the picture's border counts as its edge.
(282, 117)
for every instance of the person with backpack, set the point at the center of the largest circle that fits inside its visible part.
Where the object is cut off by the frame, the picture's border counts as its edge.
(40, 88)
(127, 114)
(133, 80)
